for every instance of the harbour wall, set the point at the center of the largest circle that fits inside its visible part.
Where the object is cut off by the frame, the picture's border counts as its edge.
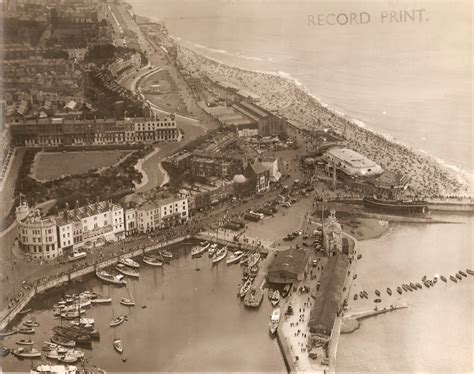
(8, 315)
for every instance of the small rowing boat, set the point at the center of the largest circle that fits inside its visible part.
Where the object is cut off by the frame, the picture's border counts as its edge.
(377, 292)
(399, 290)
(102, 300)
(458, 276)
(389, 291)
(24, 311)
(443, 278)
(166, 254)
(453, 279)
(26, 330)
(152, 261)
(8, 333)
(30, 323)
(118, 346)
(127, 301)
(25, 342)
(125, 270)
(117, 321)
(59, 340)
(245, 288)
(470, 272)
(129, 262)
(212, 249)
(462, 273)
(275, 298)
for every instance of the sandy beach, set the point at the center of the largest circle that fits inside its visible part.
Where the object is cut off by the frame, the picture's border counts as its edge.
(282, 95)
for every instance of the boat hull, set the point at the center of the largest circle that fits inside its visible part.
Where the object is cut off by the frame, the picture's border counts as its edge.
(394, 206)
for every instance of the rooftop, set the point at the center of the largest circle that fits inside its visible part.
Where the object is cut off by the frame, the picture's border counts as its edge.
(291, 260)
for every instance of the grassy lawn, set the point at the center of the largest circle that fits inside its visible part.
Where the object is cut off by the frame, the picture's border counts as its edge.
(52, 165)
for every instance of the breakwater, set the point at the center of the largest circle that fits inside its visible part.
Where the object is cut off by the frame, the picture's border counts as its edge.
(8, 315)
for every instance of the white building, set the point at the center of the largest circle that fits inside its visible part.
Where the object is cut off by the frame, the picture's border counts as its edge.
(37, 236)
(173, 211)
(271, 163)
(352, 163)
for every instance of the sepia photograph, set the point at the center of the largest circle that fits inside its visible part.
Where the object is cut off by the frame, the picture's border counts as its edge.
(236, 186)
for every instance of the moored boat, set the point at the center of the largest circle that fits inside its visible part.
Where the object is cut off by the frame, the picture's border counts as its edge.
(110, 278)
(453, 279)
(274, 320)
(470, 272)
(102, 300)
(24, 311)
(152, 261)
(253, 259)
(25, 342)
(129, 262)
(286, 290)
(399, 290)
(419, 286)
(26, 330)
(462, 273)
(377, 300)
(118, 346)
(27, 353)
(8, 333)
(395, 206)
(127, 301)
(413, 286)
(443, 278)
(458, 276)
(389, 291)
(4, 351)
(131, 272)
(355, 296)
(212, 249)
(235, 258)
(117, 321)
(220, 255)
(245, 288)
(166, 254)
(424, 278)
(377, 292)
(199, 250)
(30, 323)
(63, 341)
(275, 298)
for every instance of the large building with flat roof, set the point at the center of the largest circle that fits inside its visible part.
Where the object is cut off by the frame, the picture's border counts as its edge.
(352, 163)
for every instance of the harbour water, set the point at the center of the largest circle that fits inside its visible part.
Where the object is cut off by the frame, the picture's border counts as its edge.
(411, 81)
(435, 332)
(193, 320)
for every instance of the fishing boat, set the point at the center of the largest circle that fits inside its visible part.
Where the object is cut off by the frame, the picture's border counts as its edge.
(377, 300)
(24, 311)
(235, 258)
(389, 291)
(117, 321)
(458, 276)
(131, 272)
(399, 290)
(73, 314)
(424, 278)
(129, 262)
(377, 292)
(366, 294)
(253, 259)
(84, 322)
(274, 320)
(199, 250)
(127, 301)
(67, 358)
(220, 255)
(109, 278)
(152, 261)
(355, 297)
(26, 330)
(275, 298)
(286, 290)
(65, 355)
(453, 279)
(166, 254)
(63, 341)
(25, 342)
(427, 284)
(470, 272)
(245, 288)
(462, 273)
(361, 294)
(418, 285)
(27, 353)
(118, 345)
(405, 287)
(30, 323)
(443, 278)
(212, 249)
(102, 300)
(8, 333)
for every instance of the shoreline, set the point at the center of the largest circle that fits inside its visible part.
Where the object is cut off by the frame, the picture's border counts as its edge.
(466, 175)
